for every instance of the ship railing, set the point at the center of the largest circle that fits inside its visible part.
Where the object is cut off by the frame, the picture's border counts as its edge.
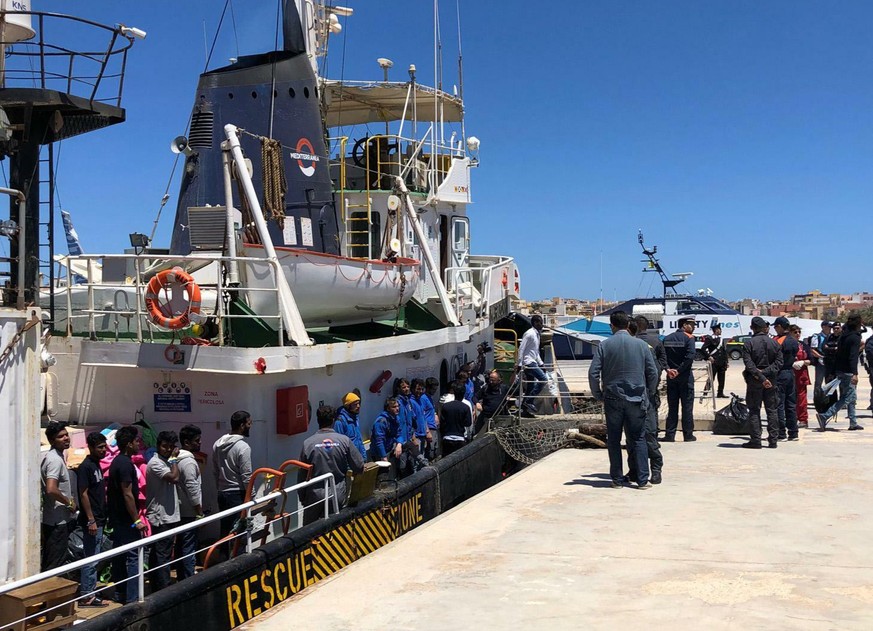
(484, 283)
(330, 504)
(139, 326)
(96, 74)
(374, 161)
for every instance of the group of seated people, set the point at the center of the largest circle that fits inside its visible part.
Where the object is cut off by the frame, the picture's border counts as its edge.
(417, 425)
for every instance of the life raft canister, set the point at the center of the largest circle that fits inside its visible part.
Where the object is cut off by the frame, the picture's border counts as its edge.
(169, 280)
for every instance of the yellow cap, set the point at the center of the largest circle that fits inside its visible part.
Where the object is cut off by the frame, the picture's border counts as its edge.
(350, 398)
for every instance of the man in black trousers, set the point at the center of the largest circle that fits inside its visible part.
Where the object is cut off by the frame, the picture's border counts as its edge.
(762, 360)
(679, 350)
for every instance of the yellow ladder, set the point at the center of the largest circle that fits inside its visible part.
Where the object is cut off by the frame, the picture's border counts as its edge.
(357, 223)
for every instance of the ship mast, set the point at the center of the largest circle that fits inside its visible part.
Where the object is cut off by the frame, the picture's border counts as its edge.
(653, 265)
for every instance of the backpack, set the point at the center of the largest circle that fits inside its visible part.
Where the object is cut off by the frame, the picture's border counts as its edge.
(821, 401)
(829, 348)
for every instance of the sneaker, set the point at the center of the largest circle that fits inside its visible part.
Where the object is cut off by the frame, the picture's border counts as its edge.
(645, 486)
(656, 477)
(751, 445)
(855, 427)
(526, 413)
(690, 439)
(822, 421)
(721, 395)
(803, 425)
(617, 485)
(772, 445)
(629, 478)
(668, 439)
(790, 438)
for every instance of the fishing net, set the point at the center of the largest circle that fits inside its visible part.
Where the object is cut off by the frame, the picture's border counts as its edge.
(528, 440)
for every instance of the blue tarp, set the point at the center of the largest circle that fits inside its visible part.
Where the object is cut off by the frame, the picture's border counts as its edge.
(584, 325)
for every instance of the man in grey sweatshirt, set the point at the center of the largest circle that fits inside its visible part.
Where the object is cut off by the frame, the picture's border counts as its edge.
(190, 500)
(232, 462)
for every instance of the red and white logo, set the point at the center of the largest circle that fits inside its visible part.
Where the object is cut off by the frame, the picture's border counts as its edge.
(305, 156)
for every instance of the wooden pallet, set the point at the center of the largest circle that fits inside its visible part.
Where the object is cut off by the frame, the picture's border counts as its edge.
(36, 598)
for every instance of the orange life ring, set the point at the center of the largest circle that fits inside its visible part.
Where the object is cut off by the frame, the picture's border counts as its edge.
(163, 314)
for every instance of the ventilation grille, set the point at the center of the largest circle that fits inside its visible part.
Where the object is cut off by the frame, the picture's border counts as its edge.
(206, 227)
(201, 129)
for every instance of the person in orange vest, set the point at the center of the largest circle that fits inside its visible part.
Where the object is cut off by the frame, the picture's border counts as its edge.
(785, 385)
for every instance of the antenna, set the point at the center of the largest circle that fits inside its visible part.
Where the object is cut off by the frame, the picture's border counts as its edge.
(652, 265)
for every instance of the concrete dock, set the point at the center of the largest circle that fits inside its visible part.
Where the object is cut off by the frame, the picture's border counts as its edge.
(733, 538)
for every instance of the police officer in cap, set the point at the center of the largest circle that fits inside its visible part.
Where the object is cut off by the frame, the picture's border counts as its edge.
(716, 354)
(680, 350)
(762, 360)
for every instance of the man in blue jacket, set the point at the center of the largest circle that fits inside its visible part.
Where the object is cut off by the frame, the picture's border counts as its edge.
(679, 351)
(389, 439)
(346, 422)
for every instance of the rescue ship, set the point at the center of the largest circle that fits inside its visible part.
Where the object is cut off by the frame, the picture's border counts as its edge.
(308, 257)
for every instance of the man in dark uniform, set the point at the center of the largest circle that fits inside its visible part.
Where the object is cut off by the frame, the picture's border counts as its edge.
(656, 459)
(679, 350)
(785, 384)
(715, 353)
(762, 360)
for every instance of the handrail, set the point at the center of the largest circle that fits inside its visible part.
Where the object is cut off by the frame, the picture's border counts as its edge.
(55, 54)
(141, 261)
(135, 545)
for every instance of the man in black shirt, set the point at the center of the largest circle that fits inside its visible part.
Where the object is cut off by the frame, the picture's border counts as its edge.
(846, 367)
(762, 360)
(785, 383)
(92, 516)
(715, 353)
(455, 417)
(123, 514)
(491, 396)
(679, 349)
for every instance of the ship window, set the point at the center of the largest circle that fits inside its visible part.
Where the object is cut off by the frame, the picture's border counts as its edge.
(306, 93)
(230, 95)
(291, 92)
(254, 94)
(275, 94)
(375, 235)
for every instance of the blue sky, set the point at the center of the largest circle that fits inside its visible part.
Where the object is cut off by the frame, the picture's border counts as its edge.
(736, 135)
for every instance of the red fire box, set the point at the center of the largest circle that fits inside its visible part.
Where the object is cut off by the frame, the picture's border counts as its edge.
(292, 410)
